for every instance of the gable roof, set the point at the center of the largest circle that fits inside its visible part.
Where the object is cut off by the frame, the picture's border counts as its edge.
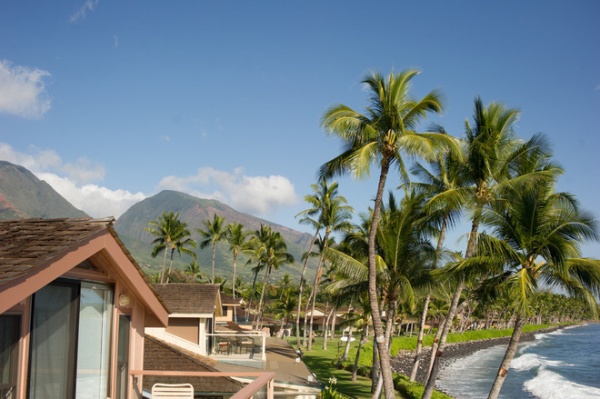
(228, 300)
(190, 298)
(159, 355)
(35, 252)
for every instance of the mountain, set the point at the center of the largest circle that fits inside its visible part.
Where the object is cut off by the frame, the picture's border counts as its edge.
(22, 195)
(195, 211)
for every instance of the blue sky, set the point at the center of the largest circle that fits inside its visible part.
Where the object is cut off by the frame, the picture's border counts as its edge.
(113, 101)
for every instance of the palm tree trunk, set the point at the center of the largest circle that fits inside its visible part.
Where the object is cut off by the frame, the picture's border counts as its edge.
(375, 368)
(326, 329)
(384, 355)
(301, 288)
(434, 346)
(252, 293)
(355, 367)
(262, 295)
(429, 387)
(471, 246)
(508, 357)
(162, 272)
(417, 358)
(316, 286)
(170, 265)
(214, 251)
(347, 347)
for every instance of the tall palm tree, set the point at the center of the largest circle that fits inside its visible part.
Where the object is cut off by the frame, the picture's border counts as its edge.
(492, 155)
(308, 217)
(238, 241)
(214, 232)
(383, 134)
(171, 235)
(334, 216)
(444, 187)
(272, 252)
(535, 237)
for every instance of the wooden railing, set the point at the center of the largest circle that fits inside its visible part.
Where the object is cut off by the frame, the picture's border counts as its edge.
(262, 380)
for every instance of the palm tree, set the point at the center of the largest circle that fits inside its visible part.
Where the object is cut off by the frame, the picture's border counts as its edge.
(535, 237)
(192, 269)
(171, 235)
(443, 185)
(381, 135)
(237, 239)
(334, 217)
(492, 154)
(308, 217)
(214, 233)
(272, 252)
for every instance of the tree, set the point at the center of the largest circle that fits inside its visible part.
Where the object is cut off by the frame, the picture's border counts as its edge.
(214, 233)
(192, 269)
(171, 235)
(492, 153)
(443, 184)
(535, 237)
(271, 249)
(237, 239)
(382, 135)
(334, 215)
(308, 217)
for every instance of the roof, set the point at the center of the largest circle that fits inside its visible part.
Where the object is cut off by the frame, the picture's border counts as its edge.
(35, 252)
(159, 355)
(25, 244)
(228, 300)
(189, 297)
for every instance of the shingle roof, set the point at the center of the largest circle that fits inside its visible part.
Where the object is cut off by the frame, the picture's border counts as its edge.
(188, 297)
(159, 355)
(228, 300)
(28, 243)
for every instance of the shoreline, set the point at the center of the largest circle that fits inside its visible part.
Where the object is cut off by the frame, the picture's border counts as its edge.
(402, 363)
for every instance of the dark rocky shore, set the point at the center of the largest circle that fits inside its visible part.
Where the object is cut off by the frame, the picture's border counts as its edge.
(404, 361)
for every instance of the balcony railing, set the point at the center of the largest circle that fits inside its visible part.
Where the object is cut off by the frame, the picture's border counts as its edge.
(263, 381)
(229, 345)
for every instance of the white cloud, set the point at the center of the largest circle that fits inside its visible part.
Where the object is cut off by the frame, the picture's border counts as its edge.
(74, 181)
(94, 200)
(81, 13)
(258, 195)
(22, 91)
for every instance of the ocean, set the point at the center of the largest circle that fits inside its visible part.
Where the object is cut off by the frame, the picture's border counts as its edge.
(564, 364)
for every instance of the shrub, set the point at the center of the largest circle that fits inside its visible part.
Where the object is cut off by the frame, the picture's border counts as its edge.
(413, 390)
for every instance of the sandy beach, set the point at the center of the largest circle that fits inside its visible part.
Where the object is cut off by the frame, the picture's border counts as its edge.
(403, 362)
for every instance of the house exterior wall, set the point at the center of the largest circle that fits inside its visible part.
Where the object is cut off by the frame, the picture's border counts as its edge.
(188, 329)
(107, 273)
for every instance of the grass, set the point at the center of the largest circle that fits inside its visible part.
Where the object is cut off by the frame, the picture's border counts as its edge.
(323, 363)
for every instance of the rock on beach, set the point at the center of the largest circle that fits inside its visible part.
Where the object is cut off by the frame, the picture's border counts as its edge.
(403, 362)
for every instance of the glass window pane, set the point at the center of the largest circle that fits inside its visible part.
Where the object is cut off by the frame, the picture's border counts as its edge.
(53, 334)
(123, 356)
(95, 309)
(9, 343)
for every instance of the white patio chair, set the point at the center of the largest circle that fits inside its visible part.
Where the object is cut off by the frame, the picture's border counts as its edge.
(172, 391)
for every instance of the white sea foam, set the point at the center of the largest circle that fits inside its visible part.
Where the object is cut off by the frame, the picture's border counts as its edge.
(550, 385)
(530, 361)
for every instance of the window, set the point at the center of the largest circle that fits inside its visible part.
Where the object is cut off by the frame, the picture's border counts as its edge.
(9, 343)
(70, 341)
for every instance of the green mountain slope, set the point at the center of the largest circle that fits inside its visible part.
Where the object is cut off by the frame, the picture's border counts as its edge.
(22, 195)
(194, 211)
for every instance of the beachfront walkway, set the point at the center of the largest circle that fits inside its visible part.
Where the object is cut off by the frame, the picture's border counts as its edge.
(281, 359)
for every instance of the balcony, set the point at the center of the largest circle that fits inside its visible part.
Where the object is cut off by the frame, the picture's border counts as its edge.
(261, 384)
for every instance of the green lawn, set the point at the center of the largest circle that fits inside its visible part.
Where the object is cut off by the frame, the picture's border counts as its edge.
(323, 362)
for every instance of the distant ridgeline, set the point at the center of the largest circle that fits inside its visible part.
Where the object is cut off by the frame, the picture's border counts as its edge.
(22, 195)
